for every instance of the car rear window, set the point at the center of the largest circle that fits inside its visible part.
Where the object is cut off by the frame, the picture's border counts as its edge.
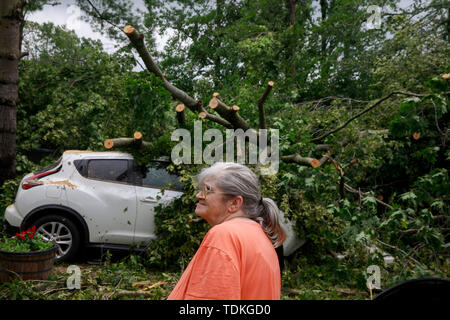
(48, 168)
(108, 169)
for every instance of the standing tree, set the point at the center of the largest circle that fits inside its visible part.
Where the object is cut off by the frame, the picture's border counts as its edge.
(12, 19)
(11, 23)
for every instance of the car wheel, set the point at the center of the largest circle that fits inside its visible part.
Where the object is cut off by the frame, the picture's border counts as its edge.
(62, 232)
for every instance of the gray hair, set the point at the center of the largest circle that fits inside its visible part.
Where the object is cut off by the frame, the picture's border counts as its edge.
(235, 179)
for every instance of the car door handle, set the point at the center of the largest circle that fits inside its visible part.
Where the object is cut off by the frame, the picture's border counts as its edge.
(149, 199)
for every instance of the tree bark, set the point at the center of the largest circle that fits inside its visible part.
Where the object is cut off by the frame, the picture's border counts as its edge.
(217, 58)
(11, 20)
(323, 40)
(448, 24)
(291, 12)
(291, 40)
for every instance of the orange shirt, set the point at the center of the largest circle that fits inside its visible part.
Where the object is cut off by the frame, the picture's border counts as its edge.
(235, 261)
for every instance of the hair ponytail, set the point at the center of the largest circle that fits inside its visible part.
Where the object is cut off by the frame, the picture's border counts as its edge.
(270, 223)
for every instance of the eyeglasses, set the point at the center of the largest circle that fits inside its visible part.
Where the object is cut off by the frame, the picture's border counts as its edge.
(205, 189)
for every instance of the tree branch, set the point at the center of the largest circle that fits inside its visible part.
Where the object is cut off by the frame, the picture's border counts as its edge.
(262, 117)
(100, 16)
(304, 161)
(137, 40)
(206, 115)
(353, 190)
(364, 112)
(230, 118)
(228, 113)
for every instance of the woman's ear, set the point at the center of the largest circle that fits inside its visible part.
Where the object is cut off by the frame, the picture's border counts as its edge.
(235, 204)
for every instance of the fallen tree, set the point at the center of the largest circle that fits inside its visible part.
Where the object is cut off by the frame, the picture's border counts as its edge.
(229, 117)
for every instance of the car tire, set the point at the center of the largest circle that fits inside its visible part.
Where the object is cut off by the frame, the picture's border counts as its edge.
(61, 231)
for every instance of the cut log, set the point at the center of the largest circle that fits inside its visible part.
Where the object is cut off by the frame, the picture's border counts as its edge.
(137, 135)
(228, 113)
(128, 29)
(136, 141)
(305, 161)
(213, 103)
(180, 114)
(180, 107)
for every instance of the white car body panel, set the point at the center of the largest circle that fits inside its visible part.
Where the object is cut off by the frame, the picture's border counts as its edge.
(13, 216)
(109, 208)
(147, 200)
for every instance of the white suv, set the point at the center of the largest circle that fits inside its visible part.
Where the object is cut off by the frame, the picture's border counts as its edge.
(97, 199)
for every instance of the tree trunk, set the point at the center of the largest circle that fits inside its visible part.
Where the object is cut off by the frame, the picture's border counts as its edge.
(448, 24)
(291, 43)
(323, 11)
(11, 20)
(217, 58)
(290, 16)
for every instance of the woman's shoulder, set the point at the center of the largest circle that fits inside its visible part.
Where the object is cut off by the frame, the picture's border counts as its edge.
(234, 228)
(234, 236)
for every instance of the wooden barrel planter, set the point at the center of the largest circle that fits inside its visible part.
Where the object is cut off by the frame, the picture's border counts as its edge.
(36, 265)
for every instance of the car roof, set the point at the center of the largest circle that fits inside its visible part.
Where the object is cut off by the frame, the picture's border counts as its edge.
(99, 154)
(79, 154)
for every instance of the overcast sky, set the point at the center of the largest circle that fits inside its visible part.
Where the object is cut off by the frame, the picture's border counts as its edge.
(67, 14)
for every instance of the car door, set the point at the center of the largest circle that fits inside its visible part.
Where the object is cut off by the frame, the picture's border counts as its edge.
(106, 199)
(149, 191)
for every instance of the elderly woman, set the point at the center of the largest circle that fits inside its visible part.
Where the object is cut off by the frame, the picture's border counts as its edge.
(236, 259)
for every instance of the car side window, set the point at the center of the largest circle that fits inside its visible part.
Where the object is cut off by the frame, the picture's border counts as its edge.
(114, 170)
(155, 175)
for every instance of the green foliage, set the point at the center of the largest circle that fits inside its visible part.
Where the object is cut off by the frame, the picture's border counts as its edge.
(10, 187)
(178, 229)
(327, 278)
(7, 195)
(70, 90)
(422, 216)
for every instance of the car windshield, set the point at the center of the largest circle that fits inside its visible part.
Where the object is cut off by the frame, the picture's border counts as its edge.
(155, 175)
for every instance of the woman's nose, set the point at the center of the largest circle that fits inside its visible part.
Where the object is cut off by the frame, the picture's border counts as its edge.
(199, 195)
